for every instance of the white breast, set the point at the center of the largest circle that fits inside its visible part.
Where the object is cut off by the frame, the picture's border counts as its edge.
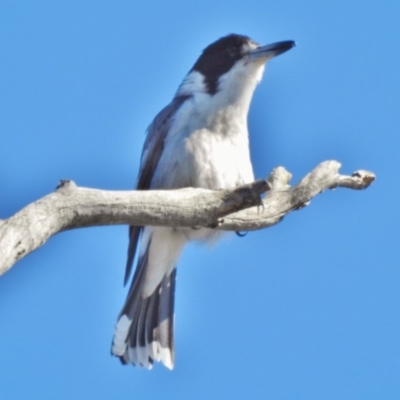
(219, 160)
(206, 148)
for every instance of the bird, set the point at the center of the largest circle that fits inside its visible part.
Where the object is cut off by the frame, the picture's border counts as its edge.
(199, 140)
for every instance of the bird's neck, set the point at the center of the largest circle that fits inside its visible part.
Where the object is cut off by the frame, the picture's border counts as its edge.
(228, 106)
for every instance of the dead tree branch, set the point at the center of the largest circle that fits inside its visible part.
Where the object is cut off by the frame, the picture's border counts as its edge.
(239, 209)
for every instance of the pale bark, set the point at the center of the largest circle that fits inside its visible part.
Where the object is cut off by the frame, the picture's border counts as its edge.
(240, 209)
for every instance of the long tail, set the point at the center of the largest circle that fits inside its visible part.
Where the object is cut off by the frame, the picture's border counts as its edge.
(144, 331)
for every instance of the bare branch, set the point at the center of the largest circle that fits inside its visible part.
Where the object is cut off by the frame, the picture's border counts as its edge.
(236, 210)
(282, 199)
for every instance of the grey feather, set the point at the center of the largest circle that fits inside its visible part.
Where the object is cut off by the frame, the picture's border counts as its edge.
(151, 154)
(152, 317)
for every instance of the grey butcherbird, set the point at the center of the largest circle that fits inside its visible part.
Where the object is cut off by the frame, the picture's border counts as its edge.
(199, 140)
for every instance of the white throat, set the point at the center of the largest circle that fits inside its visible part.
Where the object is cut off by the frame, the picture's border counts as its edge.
(230, 104)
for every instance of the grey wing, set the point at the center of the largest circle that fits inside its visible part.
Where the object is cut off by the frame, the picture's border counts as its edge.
(151, 154)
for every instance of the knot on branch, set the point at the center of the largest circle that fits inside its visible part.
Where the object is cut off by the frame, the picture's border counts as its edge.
(66, 184)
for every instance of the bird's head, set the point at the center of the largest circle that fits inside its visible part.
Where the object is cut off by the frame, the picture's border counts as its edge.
(232, 63)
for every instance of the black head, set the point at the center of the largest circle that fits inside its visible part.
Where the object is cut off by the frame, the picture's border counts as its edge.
(219, 57)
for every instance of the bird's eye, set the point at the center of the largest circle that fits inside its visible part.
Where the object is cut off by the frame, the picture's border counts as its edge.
(233, 50)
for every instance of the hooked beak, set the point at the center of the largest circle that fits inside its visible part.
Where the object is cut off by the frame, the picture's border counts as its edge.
(271, 50)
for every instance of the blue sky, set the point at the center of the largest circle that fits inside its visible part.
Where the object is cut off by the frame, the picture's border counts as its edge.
(308, 309)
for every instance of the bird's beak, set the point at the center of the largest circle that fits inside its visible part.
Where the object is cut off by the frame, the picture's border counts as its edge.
(271, 50)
